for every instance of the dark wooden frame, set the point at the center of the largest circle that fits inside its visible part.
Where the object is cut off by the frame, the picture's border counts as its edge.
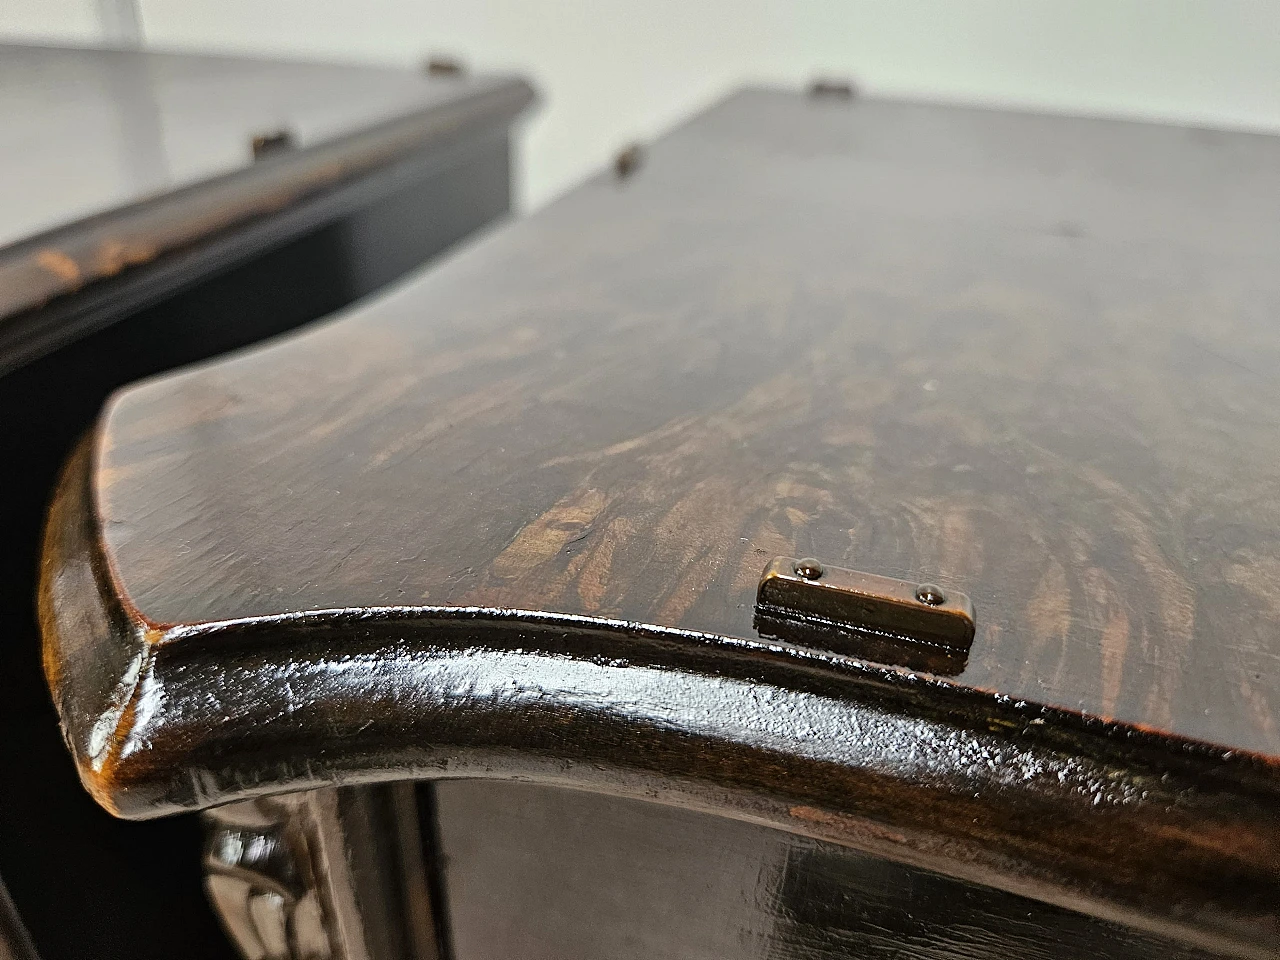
(561, 590)
(63, 284)
(1170, 836)
(312, 230)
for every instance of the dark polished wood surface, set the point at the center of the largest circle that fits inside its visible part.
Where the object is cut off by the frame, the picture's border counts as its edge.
(138, 171)
(1027, 357)
(580, 876)
(78, 140)
(508, 520)
(1173, 837)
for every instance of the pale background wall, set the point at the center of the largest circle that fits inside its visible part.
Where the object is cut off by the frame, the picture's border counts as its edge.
(76, 21)
(617, 70)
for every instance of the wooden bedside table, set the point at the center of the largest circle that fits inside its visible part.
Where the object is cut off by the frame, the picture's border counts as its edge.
(846, 531)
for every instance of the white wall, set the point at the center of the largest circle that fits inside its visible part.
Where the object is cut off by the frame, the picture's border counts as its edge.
(54, 21)
(612, 71)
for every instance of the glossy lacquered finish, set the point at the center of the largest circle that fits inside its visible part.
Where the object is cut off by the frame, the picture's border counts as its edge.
(1023, 357)
(77, 140)
(1166, 835)
(546, 874)
(509, 521)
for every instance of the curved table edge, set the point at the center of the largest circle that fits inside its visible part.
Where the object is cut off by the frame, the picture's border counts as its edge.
(1171, 836)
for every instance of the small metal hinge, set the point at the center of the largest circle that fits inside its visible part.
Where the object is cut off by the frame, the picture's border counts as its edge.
(919, 626)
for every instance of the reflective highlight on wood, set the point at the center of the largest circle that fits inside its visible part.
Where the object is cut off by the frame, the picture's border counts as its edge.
(1166, 835)
(508, 521)
(1022, 357)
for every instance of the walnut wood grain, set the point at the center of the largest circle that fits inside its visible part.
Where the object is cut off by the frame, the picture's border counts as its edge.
(509, 519)
(1028, 357)
(1132, 827)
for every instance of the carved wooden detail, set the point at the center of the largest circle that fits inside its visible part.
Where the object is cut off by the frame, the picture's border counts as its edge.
(262, 874)
(334, 873)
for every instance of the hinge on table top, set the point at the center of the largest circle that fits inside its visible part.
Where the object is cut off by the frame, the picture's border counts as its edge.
(918, 626)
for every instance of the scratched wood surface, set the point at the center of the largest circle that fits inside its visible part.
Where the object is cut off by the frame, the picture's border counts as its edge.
(1033, 358)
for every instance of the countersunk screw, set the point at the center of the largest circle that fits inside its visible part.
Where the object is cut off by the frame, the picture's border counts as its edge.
(931, 594)
(809, 568)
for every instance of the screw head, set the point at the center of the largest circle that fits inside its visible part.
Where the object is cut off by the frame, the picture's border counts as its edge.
(809, 568)
(628, 160)
(931, 594)
(440, 66)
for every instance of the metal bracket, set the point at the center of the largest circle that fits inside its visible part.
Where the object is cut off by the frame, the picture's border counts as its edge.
(919, 626)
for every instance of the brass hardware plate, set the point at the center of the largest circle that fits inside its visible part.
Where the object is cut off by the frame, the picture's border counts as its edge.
(915, 625)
